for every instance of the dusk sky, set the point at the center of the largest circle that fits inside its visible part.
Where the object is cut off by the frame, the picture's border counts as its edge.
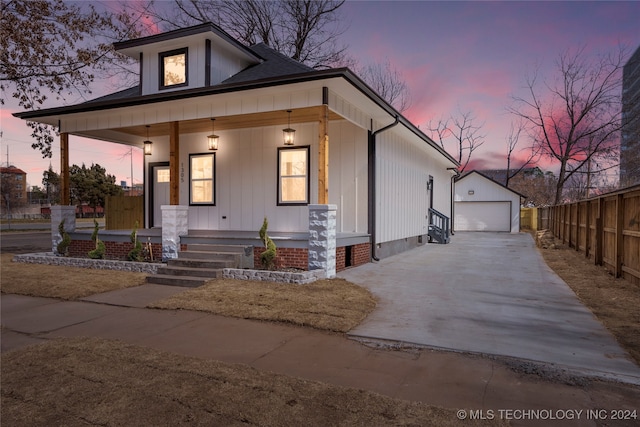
(470, 56)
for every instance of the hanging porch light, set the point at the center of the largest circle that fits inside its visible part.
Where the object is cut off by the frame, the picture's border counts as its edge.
(147, 144)
(212, 140)
(289, 134)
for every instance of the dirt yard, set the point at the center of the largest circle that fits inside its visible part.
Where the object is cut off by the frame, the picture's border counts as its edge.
(39, 280)
(334, 305)
(99, 382)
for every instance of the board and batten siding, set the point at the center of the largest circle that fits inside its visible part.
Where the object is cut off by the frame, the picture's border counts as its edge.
(402, 204)
(246, 178)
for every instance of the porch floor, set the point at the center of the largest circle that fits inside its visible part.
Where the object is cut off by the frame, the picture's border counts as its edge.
(224, 237)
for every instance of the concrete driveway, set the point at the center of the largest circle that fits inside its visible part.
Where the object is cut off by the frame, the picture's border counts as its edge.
(487, 293)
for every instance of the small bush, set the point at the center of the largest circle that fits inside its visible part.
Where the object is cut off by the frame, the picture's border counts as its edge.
(99, 251)
(268, 257)
(136, 253)
(63, 245)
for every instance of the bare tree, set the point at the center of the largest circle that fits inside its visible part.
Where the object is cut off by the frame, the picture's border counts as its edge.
(307, 31)
(52, 48)
(577, 117)
(460, 132)
(388, 82)
(513, 139)
(538, 188)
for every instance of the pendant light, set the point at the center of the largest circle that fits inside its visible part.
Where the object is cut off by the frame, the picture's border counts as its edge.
(147, 144)
(289, 134)
(212, 140)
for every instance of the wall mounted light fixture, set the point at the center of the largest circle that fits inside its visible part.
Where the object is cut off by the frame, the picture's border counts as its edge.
(147, 144)
(289, 134)
(212, 140)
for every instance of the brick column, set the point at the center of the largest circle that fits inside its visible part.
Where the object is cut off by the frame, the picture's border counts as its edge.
(322, 239)
(58, 213)
(175, 223)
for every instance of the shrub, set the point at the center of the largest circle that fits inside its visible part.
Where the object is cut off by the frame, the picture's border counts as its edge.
(136, 253)
(268, 257)
(63, 245)
(99, 251)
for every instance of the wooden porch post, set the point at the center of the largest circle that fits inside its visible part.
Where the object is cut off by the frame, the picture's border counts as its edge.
(65, 193)
(323, 156)
(174, 163)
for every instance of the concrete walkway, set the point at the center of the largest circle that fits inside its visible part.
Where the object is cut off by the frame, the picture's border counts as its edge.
(488, 293)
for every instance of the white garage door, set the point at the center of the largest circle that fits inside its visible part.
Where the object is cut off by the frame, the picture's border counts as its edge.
(482, 216)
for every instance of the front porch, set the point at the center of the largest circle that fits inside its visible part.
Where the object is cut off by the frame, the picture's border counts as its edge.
(352, 249)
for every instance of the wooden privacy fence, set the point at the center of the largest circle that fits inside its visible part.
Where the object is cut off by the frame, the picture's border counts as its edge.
(122, 212)
(606, 229)
(534, 218)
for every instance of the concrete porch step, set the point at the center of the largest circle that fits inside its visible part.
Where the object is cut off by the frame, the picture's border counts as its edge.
(170, 280)
(206, 255)
(201, 263)
(210, 273)
(205, 247)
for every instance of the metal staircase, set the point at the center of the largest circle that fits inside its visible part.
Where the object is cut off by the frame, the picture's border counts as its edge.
(439, 230)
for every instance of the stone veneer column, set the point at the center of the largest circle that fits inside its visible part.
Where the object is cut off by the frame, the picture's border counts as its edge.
(175, 223)
(322, 239)
(58, 213)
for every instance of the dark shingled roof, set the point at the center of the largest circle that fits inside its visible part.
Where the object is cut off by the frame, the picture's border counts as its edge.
(275, 64)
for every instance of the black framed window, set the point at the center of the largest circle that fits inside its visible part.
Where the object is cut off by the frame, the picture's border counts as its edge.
(174, 68)
(202, 182)
(293, 176)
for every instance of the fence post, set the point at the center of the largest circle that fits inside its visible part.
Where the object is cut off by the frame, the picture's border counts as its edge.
(619, 235)
(599, 232)
(577, 243)
(587, 231)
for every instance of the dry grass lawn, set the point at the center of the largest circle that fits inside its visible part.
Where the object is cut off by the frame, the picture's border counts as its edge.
(334, 305)
(47, 280)
(615, 302)
(99, 382)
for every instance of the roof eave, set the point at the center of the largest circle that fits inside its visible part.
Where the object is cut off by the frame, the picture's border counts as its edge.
(242, 86)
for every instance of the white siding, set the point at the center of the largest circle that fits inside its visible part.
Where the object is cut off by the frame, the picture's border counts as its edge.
(348, 182)
(403, 170)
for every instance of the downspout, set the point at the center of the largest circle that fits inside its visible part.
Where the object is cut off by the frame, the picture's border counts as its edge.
(453, 195)
(372, 184)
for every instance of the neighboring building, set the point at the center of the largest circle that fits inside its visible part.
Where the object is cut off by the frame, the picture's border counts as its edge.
(482, 204)
(14, 186)
(630, 144)
(234, 134)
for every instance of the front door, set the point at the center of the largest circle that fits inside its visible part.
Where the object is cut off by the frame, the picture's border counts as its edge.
(160, 177)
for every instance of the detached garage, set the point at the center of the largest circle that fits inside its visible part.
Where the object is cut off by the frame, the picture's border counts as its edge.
(481, 204)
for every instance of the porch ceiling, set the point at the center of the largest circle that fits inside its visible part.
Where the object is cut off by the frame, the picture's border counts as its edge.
(270, 118)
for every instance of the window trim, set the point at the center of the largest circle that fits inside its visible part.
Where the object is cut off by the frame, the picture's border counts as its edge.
(279, 201)
(174, 52)
(213, 178)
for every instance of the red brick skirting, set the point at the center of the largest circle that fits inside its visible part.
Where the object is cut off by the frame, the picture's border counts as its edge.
(287, 257)
(299, 257)
(115, 250)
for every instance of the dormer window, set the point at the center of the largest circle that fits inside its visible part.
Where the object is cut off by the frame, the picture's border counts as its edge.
(173, 68)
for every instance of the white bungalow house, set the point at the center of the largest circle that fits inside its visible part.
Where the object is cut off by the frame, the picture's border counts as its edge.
(482, 204)
(329, 162)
